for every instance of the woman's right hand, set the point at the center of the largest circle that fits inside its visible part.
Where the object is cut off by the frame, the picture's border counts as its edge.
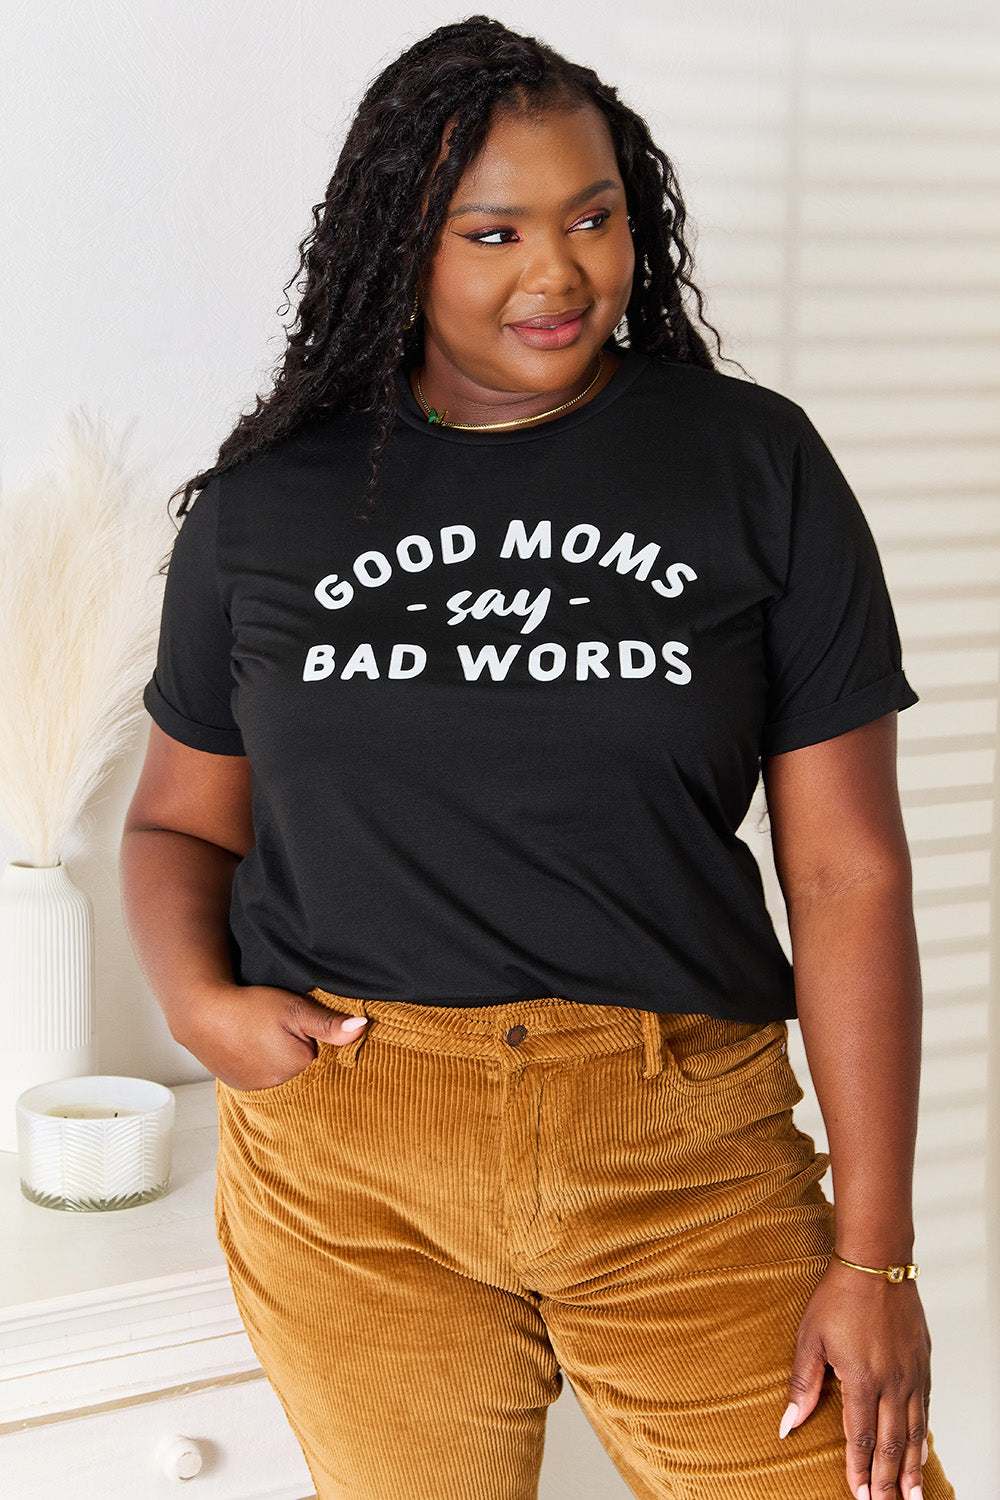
(255, 1036)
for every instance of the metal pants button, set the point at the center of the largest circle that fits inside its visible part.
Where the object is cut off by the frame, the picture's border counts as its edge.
(516, 1035)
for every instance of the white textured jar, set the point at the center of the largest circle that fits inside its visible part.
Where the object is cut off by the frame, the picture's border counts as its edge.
(95, 1144)
(46, 984)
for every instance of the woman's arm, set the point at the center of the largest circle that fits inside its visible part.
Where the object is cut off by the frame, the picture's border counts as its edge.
(842, 860)
(187, 828)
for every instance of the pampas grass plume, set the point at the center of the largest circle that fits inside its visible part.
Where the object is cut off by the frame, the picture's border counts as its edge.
(80, 595)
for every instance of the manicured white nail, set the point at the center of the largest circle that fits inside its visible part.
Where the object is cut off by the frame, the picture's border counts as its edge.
(353, 1023)
(864, 1493)
(788, 1420)
(923, 1457)
(917, 1494)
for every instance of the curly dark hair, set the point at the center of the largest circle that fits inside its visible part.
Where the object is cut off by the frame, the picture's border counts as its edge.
(387, 200)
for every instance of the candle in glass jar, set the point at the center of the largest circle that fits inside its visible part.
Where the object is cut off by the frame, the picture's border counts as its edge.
(94, 1144)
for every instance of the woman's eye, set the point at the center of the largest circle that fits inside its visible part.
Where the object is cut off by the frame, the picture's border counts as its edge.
(493, 237)
(598, 220)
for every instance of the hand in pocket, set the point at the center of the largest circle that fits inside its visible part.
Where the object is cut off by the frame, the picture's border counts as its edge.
(256, 1036)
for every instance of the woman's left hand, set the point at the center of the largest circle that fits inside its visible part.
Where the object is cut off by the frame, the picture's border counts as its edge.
(875, 1336)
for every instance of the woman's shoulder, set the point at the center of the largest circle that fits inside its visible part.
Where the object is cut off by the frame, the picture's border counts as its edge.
(318, 442)
(716, 396)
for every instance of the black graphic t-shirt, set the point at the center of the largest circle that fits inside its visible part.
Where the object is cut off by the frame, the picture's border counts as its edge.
(502, 732)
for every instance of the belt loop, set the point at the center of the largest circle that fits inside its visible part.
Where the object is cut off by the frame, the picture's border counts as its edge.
(347, 1053)
(652, 1042)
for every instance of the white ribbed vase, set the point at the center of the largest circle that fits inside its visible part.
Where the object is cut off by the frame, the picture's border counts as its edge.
(46, 984)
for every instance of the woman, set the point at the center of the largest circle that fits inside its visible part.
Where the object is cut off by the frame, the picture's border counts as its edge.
(474, 644)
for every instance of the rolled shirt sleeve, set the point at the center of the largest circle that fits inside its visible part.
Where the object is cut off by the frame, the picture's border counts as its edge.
(189, 695)
(831, 641)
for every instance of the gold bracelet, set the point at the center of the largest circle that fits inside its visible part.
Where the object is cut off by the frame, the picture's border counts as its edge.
(891, 1273)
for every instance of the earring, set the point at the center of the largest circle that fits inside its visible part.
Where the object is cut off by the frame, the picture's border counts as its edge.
(631, 224)
(414, 314)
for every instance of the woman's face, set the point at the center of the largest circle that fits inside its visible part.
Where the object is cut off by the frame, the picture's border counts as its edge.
(533, 267)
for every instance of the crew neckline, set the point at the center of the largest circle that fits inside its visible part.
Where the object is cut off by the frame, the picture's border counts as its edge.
(632, 365)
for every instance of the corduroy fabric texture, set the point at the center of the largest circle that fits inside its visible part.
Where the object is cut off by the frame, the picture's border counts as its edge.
(428, 1228)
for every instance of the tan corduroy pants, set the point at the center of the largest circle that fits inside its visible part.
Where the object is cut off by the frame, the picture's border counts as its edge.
(428, 1228)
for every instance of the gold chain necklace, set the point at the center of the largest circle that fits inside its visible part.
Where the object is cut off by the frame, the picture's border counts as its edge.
(440, 418)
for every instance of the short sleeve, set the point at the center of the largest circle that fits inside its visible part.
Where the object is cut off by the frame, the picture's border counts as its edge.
(832, 645)
(189, 693)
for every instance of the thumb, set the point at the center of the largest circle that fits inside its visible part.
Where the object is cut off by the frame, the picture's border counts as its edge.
(326, 1025)
(805, 1385)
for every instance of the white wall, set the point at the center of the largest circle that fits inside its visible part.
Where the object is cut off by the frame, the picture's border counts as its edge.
(841, 163)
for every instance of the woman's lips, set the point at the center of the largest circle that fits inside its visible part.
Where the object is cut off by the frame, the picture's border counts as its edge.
(557, 331)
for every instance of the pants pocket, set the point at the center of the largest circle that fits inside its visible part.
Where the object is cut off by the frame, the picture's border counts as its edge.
(714, 1055)
(281, 1091)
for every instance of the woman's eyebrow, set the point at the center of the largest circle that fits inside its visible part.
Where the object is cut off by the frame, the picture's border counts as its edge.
(603, 185)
